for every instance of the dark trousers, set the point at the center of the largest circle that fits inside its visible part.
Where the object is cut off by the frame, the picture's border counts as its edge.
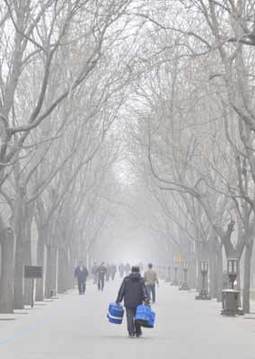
(132, 326)
(100, 283)
(81, 286)
(151, 289)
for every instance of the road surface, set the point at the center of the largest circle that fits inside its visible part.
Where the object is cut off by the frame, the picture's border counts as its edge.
(75, 327)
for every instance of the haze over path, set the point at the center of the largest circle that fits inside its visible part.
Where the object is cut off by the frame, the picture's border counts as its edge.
(75, 327)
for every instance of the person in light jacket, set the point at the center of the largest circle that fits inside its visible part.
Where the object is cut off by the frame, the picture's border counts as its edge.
(134, 293)
(151, 279)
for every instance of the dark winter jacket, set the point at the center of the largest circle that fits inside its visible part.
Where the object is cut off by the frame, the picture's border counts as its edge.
(101, 271)
(81, 273)
(133, 291)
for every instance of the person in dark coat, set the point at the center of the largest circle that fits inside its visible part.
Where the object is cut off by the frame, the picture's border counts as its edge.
(134, 293)
(101, 273)
(121, 270)
(81, 274)
(113, 271)
(108, 273)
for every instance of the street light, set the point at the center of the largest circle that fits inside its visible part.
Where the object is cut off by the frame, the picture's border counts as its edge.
(232, 269)
(204, 268)
(184, 285)
(168, 278)
(176, 262)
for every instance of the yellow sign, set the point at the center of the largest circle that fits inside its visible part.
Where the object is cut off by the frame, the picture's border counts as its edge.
(179, 259)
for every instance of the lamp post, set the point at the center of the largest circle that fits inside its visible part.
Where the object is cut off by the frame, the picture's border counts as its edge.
(204, 268)
(168, 278)
(175, 281)
(185, 285)
(176, 262)
(232, 270)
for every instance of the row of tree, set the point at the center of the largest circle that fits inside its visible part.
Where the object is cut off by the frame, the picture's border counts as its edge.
(181, 74)
(62, 84)
(194, 129)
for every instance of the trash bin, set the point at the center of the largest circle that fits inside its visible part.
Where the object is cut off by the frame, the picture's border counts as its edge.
(230, 302)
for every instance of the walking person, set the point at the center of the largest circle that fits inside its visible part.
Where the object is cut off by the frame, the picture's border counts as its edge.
(94, 273)
(134, 293)
(108, 273)
(113, 271)
(121, 270)
(151, 279)
(81, 274)
(101, 273)
(127, 269)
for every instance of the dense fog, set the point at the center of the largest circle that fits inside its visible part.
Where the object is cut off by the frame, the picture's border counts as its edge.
(127, 138)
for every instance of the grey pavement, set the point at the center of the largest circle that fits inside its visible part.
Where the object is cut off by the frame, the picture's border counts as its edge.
(75, 327)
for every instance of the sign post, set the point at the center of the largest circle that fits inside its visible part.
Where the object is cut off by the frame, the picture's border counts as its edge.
(33, 272)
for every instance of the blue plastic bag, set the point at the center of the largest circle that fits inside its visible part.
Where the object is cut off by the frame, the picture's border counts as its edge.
(115, 313)
(145, 316)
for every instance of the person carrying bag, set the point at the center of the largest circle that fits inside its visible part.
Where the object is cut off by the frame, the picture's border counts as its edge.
(134, 293)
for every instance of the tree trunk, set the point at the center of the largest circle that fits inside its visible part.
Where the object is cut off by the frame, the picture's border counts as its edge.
(199, 276)
(28, 250)
(19, 276)
(70, 270)
(213, 268)
(219, 283)
(51, 272)
(62, 271)
(42, 235)
(213, 273)
(247, 276)
(193, 269)
(7, 271)
(72, 262)
(20, 231)
(27, 261)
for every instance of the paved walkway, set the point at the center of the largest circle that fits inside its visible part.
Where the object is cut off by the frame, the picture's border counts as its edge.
(75, 327)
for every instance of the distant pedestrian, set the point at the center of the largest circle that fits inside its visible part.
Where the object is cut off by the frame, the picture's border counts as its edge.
(94, 272)
(108, 273)
(101, 273)
(134, 293)
(121, 270)
(81, 274)
(151, 279)
(113, 270)
(127, 268)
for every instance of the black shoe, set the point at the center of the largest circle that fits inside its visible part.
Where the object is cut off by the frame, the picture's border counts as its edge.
(138, 335)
